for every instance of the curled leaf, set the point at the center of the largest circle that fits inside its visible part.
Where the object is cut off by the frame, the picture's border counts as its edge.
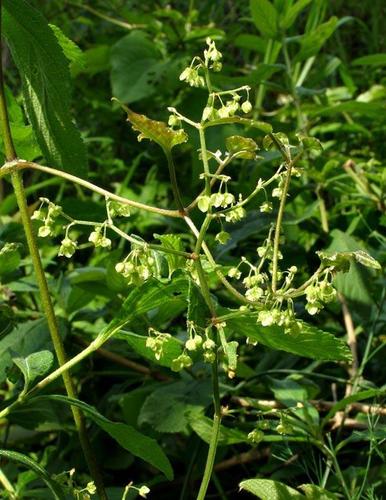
(244, 147)
(154, 130)
(341, 260)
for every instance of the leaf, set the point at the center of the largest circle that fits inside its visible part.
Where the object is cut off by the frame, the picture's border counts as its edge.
(71, 51)
(244, 147)
(292, 13)
(341, 260)
(310, 143)
(308, 341)
(166, 409)
(129, 438)
(198, 311)
(354, 284)
(34, 366)
(203, 426)
(142, 299)
(24, 340)
(154, 130)
(136, 67)
(9, 258)
(359, 396)
(265, 489)
(46, 85)
(312, 42)
(172, 242)
(314, 492)
(265, 17)
(53, 485)
(247, 122)
(251, 42)
(370, 60)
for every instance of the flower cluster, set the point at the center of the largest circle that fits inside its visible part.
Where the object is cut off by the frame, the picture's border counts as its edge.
(138, 266)
(226, 104)
(47, 216)
(216, 200)
(155, 342)
(67, 247)
(98, 237)
(116, 209)
(318, 293)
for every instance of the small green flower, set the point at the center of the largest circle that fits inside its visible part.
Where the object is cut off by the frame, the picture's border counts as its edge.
(67, 247)
(246, 107)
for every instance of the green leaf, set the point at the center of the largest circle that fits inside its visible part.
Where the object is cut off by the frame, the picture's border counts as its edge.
(203, 426)
(312, 42)
(46, 85)
(166, 409)
(71, 51)
(310, 143)
(359, 396)
(198, 311)
(136, 67)
(33, 366)
(142, 299)
(244, 147)
(247, 122)
(308, 341)
(154, 130)
(314, 492)
(53, 485)
(24, 340)
(341, 260)
(370, 60)
(9, 258)
(265, 489)
(265, 17)
(251, 42)
(172, 242)
(292, 13)
(129, 438)
(354, 284)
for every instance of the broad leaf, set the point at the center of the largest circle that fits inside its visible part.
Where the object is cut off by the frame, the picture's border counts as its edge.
(312, 42)
(308, 341)
(292, 13)
(46, 85)
(203, 426)
(54, 486)
(314, 492)
(265, 17)
(244, 147)
(35, 365)
(129, 438)
(265, 489)
(167, 408)
(136, 67)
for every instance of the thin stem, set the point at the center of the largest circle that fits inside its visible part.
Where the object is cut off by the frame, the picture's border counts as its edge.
(279, 220)
(214, 436)
(47, 305)
(7, 486)
(21, 165)
(173, 180)
(205, 161)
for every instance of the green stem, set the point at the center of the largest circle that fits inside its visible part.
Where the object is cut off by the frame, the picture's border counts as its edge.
(205, 161)
(173, 180)
(18, 187)
(279, 220)
(215, 434)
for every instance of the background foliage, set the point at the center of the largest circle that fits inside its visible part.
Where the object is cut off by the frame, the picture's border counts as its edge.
(315, 67)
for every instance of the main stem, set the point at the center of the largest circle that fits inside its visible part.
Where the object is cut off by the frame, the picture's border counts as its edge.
(48, 309)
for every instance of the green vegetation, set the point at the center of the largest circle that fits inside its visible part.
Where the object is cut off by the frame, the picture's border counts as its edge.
(192, 214)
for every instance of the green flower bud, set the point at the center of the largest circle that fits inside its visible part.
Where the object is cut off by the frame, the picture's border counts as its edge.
(246, 107)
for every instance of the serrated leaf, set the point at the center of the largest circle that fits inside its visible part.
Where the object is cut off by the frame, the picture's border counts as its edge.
(53, 485)
(70, 49)
(307, 341)
(154, 130)
(33, 366)
(46, 85)
(265, 17)
(266, 489)
(129, 438)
